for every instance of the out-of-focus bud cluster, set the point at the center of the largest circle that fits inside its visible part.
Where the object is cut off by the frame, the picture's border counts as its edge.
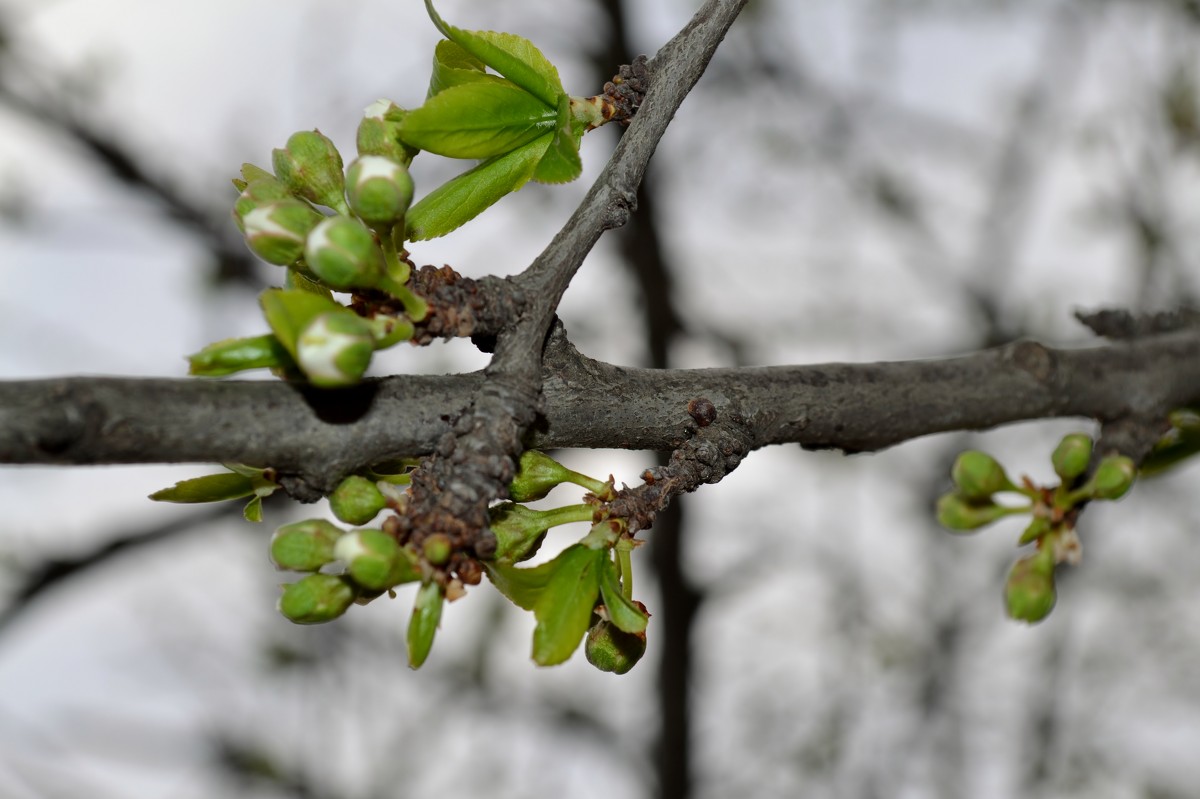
(1053, 510)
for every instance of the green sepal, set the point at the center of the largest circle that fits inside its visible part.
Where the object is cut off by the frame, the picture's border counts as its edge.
(209, 488)
(1037, 528)
(622, 610)
(251, 173)
(514, 57)
(477, 120)
(561, 163)
(422, 627)
(253, 511)
(317, 598)
(238, 354)
(564, 609)
(520, 586)
(461, 199)
(305, 546)
(454, 66)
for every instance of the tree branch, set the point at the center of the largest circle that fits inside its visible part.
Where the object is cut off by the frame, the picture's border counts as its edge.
(323, 435)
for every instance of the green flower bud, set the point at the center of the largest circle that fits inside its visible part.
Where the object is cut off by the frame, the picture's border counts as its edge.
(1071, 456)
(520, 530)
(312, 168)
(305, 546)
(334, 349)
(373, 559)
(438, 549)
(978, 475)
(1029, 593)
(956, 513)
(316, 598)
(258, 193)
(537, 474)
(610, 649)
(342, 252)
(379, 189)
(276, 231)
(1113, 478)
(356, 500)
(378, 133)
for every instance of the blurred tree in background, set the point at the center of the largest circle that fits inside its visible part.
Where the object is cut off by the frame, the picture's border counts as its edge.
(863, 180)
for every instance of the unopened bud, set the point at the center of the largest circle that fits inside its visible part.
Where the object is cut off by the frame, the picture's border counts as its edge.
(316, 598)
(422, 627)
(438, 549)
(312, 168)
(1113, 478)
(373, 559)
(334, 349)
(978, 476)
(537, 474)
(956, 513)
(379, 189)
(1071, 456)
(613, 650)
(378, 133)
(257, 193)
(1029, 593)
(342, 252)
(356, 500)
(277, 231)
(519, 531)
(305, 546)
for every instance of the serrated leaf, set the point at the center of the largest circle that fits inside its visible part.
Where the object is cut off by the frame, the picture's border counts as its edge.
(561, 163)
(514, 57)
(288, 312)
(422, 627)
(463, 198)
(564, 609)
(622, 612)
(209, 488)
(522, 587)
(477, 120)
(454, 66)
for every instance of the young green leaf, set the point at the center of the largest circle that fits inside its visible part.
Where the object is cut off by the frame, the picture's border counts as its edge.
(253, 512)
(454, 66)
(463, 198)
(512, 56)
(561, 163)
(477, 120)
(622, 611)
(209, 488)
(422, 627)
(564, 609)
(238, 354)
(522, 587)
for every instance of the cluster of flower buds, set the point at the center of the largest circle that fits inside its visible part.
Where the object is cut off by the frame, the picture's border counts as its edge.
(356, 245)
(1030, 591)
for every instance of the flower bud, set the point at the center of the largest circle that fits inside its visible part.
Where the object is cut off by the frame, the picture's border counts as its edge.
(978, 475)
(305, 546)
(1113, 478)
(379, 189)
(356, 500)
(316, 598)
(312, 168)
(342, 252)
(334, 349)
(1029, 593)
(374, 560)
(257, 193)
(956, 513)
(1071, 456)
(437, 549)
(519, 531)
(537, 474)
(610, 649)
(276, 231)
(378, 133)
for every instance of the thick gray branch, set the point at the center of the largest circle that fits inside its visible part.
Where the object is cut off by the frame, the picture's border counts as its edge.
(322, 435)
